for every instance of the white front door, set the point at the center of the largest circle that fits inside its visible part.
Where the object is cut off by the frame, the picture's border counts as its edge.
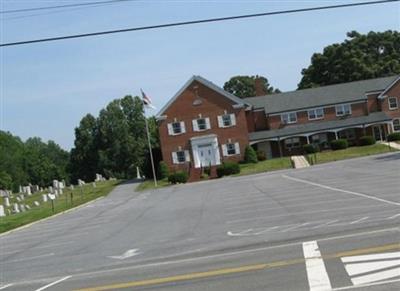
(206, 155)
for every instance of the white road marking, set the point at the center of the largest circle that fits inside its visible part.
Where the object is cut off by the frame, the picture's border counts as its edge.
(359, 220)
(318, 279)
(376, 276)
(53, 283)
(353, 259)
(366, 285)
(394, 216)
(28, 259)
(325, 224)
(5, 286)
(127, 254)
(341, 190)
(296, 226)
(359, 268)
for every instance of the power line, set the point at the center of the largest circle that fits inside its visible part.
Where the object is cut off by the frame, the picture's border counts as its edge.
(195, 22)
(62, 6)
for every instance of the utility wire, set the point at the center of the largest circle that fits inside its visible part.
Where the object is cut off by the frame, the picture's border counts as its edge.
(195, 22)
(62, 6)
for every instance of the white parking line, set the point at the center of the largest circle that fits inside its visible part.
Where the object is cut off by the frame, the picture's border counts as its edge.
(366, 285)
(316, 272)
(341, 190)
(27, 259)
(5, 286)
(376, 276)
(353, 259)
(53, 283)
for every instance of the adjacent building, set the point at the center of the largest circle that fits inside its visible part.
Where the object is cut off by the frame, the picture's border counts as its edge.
(203, 125)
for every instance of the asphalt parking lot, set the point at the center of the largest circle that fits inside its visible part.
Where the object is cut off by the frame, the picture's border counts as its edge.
(349, 206)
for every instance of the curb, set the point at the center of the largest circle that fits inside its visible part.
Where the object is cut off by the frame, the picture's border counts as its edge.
(50, 217)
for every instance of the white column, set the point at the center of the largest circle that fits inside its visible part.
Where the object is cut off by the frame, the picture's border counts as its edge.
(308, 139)
(336, 136)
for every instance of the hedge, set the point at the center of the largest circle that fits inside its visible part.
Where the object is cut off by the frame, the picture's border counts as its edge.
(228, 168)
(310, 148)
(366, 140)
(163, 171)
(250, 155)
(178, 177)
(393, 136)
(339, 144)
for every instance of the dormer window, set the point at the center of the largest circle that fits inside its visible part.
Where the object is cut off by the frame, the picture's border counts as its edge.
(343, 109)
(177, 127)
(288, 118)
(201, 124)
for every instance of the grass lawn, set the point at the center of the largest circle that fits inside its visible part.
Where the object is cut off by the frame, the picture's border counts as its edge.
(265, 166)
(62, 203)
(351, 152)
(149, 184)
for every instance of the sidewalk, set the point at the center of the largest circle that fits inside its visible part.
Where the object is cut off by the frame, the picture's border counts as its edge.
(392, 144)
(299, 162)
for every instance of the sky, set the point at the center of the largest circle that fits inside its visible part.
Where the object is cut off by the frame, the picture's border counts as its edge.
(46, 88)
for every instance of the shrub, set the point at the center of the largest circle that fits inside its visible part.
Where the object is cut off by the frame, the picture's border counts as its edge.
(261, 155)
(228, 168)
(178, 177)
(310, 148)
(163, 171)
(393, 136)
(366, 140)
(339, 144)
(250, 155)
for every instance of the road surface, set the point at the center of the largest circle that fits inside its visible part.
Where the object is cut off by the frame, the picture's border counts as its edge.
(328, 227)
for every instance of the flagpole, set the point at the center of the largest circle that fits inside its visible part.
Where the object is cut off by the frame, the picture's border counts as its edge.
(151, 153)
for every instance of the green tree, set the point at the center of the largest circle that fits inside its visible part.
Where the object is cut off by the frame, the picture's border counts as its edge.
(84, 156)
(245, 86)
(361, 56)
(5, 181)
(250, 155)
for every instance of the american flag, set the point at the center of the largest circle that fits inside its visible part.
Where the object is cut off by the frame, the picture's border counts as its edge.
(146, 100)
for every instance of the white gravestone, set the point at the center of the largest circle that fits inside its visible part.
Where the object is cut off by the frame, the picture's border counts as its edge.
(22, 207)
(94, 185)
(28, 191)
(36, 203)
(16, 208)
(55, 184)
(20, 189)
(2, 213)
(27, 207)
(7, 201)
(60, 191)
(51, 189)
(71, 187)
(44, 197)
(19, 199)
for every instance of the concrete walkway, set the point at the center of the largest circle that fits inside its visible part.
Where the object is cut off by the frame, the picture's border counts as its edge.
(300, 162)
(392, 144)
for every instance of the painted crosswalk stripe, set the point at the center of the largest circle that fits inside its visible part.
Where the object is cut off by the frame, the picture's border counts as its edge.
(5, 286)
(318, 278)
(372, 268)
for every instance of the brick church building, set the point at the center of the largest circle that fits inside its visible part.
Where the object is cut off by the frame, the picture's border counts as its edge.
(204, 125)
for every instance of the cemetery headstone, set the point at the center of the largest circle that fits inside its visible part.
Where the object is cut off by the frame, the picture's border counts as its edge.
(27, 207)
(22, 207)
(44, 197)
(19, 199)
(51, 190)
(94, 185)
(20, 189)
(36, 203)
(16, 208)
(2, 213)
(7, 201)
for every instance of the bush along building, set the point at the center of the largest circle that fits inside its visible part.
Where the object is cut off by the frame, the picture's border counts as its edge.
(203, 125)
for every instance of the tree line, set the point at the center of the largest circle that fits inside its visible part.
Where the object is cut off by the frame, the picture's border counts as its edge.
(114, 143)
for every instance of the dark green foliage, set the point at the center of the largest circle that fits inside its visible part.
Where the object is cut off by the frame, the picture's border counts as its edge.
(261, 155)
(228, 168)
(33, 162)
(310, 148)
(178, 177)
(393, 136)
(244, 86)
(362, 56)
(5, 181)
(366, 140)
(250, 155)
(339, 144)
(163, 170)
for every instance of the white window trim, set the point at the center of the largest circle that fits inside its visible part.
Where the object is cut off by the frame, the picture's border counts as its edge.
(175, 157)
(315, 113)
(225, 149)
(398, 130)
(397, 103)
(196, 125)
(288, 114)
(171, 128)
(342, 105)
(220, 119)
